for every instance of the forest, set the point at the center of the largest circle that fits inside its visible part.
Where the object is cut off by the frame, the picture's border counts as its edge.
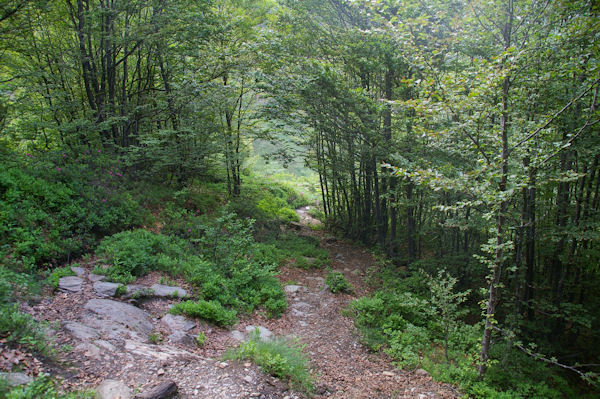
(456, 141)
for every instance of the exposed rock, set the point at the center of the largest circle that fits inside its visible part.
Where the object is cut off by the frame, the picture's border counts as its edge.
(293, 289)
(105, 288)
(81, 331)
(168, 291)
(89, 350)
(112, 389)
(79, 271)
(136, 289)
(70, 284)
(421, 372)
(237, 335)
(388, 374)
(301, 305)
(177, 323)
(181, 337)
(123, 313)
(16, 379)
(105, 344)
(264, 333)
(164, 390)
(160, 352)
(96, 277)
(249, 379)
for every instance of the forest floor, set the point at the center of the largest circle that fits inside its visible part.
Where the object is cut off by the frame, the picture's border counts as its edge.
(98, 346)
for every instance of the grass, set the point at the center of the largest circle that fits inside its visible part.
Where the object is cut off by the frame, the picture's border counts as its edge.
(337, 282)
(279, 357)
(57, 274)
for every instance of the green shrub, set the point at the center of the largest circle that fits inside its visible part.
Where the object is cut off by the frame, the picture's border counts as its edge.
(41, 387)
(208, 310)
(201, 339)
(134, 253)
(337, 282)
(57, 274)
(305, 251)
(51, 210)
(278, 357)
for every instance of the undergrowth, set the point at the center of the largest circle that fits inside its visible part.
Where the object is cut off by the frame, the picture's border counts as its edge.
(414, 316)
(41, 387)
(279, 357)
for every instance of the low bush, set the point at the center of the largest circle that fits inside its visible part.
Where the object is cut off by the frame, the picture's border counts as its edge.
(57, 274)
(279, 357)
(337, 282)
(305, 251)
(207, 310)
(41, 387)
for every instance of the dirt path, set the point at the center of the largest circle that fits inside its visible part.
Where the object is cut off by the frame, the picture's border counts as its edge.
(103, 346)
(346, 368)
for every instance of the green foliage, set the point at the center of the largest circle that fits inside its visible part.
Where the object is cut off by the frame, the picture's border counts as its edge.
(207, 310)
(278, 357)
(17, 327)
(155, 337)
(51, 210)
(304, 250)
(41, 387)
(57, 274)
(201, 339)
(134, 253)
(337, 282)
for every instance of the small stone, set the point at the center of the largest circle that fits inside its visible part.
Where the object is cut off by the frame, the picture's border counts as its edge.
(421, 372)
(222, 365)
(292, 288)
(247, 364)
(196, 392)
(249, 379)
(388, 374)
(160, 371)
(70, 284)
(16, 379)
(105, 288)
(177, 323)
(168, 291)
(89, 350)
(96, 277)
(264, 333)
(112, 389)
(254, 394)
(79, 271)
(422, 396)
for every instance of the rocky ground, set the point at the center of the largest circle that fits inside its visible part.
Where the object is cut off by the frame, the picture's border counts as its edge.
(127, 345)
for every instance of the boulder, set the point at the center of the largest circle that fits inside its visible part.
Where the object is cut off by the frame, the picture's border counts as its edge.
(177, 323)
(237, 335)
(293, 289)
(105, 288)
(81, 331)
(264, 333)
(96, 277)
(70, 284)
(79, 271)
(113, 389)
(16, 379)
(122, 313)
(167, 291)
(181, 337)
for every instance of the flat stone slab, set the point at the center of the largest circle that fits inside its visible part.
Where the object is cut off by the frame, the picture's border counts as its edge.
(81, 331)
(301, 305)
(122, 313)
(79, 271)
(16, 379)
(89, 350)
(70, 284)
(105, 288)
(264, 333)
(177, 323)
(168, 291)
(96, 277)
(159, 352)
(113, 389)
(132, 289)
